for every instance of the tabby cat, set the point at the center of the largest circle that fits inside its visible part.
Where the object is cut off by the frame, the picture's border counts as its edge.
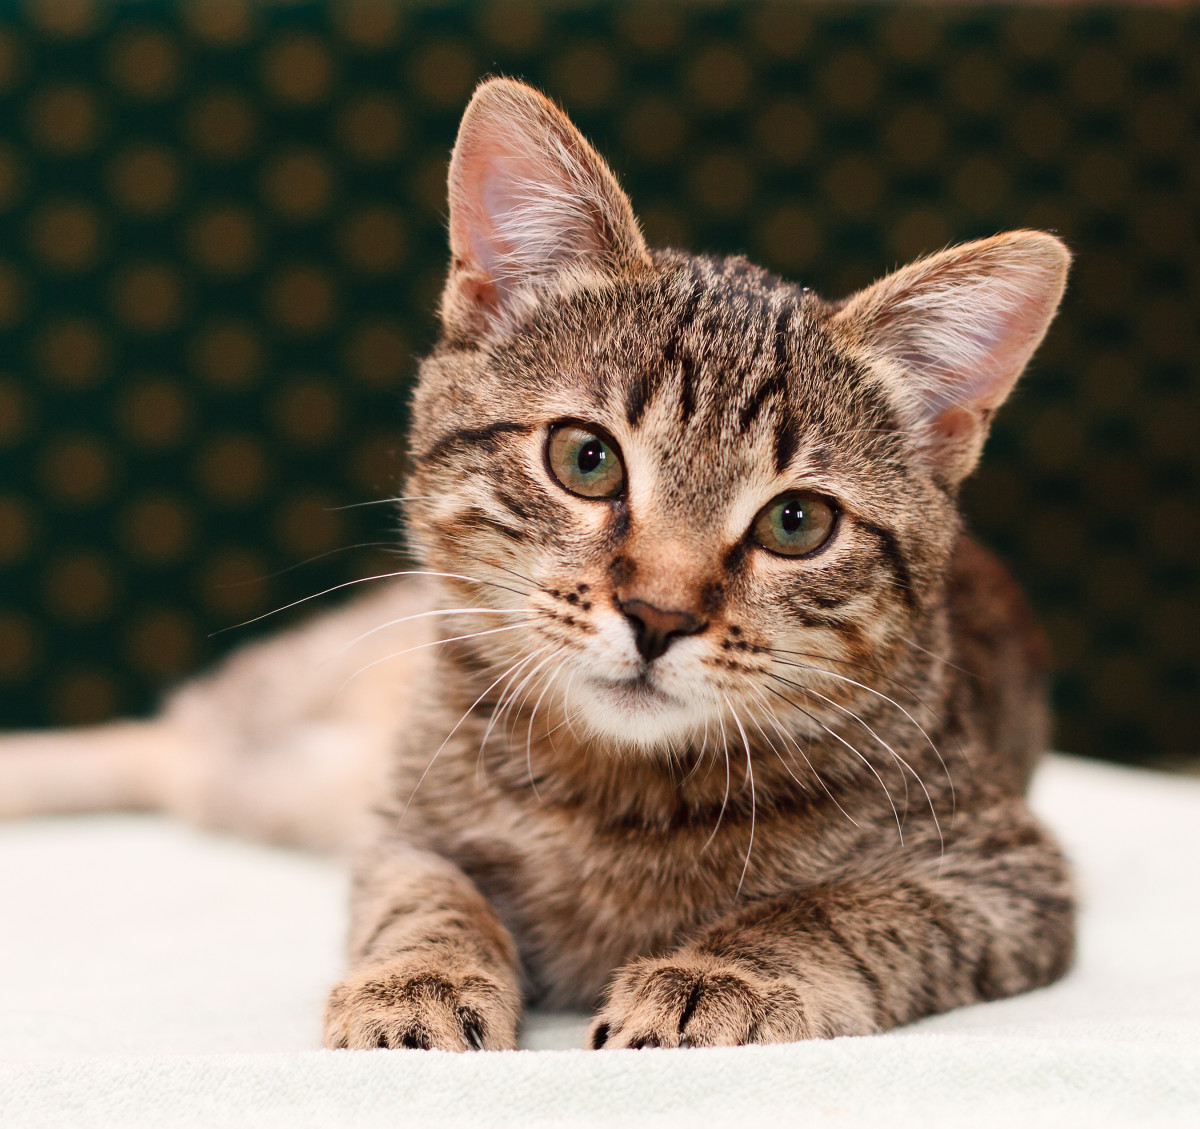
(700, 710)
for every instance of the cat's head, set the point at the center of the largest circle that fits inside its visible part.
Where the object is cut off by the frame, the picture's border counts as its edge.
(688, 488)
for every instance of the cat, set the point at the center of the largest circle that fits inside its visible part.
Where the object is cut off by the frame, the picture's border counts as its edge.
(700, 710)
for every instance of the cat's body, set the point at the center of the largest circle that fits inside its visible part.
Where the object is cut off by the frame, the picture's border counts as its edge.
(705, 705)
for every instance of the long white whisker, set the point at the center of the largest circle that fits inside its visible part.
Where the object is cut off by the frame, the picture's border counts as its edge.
(725, 799)
(510, 674)
(891, 701)
(466, 714)
(422, 646)
(839, 737)
(436, 612)
(753, 804)
(366, 580)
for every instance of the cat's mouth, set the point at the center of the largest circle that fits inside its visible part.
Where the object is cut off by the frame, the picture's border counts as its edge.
(640, 690)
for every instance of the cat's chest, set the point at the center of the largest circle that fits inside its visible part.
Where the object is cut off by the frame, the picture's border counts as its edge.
(582, 896)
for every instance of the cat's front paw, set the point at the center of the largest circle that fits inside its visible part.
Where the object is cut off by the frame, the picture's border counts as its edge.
(698, 1000)
(418, 1006)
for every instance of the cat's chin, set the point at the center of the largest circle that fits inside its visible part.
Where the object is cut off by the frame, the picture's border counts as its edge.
(634, 712)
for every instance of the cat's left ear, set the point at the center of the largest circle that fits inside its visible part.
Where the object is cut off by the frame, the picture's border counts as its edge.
(529, 198)
(953, 332)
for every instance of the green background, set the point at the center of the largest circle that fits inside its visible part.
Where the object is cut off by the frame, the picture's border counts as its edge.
(221, 242)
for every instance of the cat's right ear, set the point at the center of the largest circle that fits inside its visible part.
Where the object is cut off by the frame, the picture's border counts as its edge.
(529, 198)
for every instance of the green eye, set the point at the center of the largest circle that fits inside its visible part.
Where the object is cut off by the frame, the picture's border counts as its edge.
(584, 462)
(794, 524)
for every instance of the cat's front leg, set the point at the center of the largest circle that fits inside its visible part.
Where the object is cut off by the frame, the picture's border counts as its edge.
(432, 967)
(991, 917)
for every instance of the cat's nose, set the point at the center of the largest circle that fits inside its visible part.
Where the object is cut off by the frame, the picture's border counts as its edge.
(655, 629)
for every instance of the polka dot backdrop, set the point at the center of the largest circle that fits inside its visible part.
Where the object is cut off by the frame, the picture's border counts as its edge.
(221, 241)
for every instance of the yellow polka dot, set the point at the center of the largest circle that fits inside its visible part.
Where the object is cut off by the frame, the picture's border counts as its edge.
(719, 78)
(19, 646)
(302, 299)
(1122, 681)
(224, 240)
(298, 183)
(655, 129)
(153, 413)
(148, 297)
(790, 239)
(430, 183)
(370, 25)
(850, 80)
(80, 588)
(223, 23)
(14, 412)
(1056, 439)
(977, 82)
(223, 125)
(13, 178)
(233, 583)
(12, 65)
(157, 528)
(72, 351)
(914, 136)
(785, 131)
(909, 34)
(161, 642)
(228, 353)
(1160, 124)
(144, 64)
(306, 412)
(12, 295)
(653, 28)
(1103, 178)
(444, 72)
(853, 185)
(308, 524)
(917, 232)
(64, 118)
(16, 529)
(781, 29)
(76, 470)
(1035, 33)
(585, 76)
(981, 183)
(372, 127)
(233, 469)
(66, 235)
(377, 353)
(515, 24)
(83, 696)
(65, 18)
(374, 240)
(144, 179)
(298, 70)
(721, 181)
(378, 463)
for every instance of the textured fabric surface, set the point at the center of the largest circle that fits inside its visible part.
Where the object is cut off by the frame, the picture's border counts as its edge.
(154, 976)
(222, 232)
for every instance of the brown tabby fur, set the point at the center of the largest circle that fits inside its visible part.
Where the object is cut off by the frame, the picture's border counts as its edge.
(806, 819)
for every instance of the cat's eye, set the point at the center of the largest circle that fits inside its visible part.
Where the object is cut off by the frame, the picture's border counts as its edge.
(585, 461)
(794, 524)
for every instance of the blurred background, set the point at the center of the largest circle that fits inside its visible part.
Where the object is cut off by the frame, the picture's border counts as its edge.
(222, 240)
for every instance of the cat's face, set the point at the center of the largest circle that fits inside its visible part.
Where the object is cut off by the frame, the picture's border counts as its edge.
(697, 498)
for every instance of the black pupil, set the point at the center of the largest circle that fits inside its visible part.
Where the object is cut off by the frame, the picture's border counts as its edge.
(792, 516)
(591, 456)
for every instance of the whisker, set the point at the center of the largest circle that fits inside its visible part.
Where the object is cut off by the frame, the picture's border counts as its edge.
(437, 753)
(365, 580)
(422, 646)
(891, 701)
(800, 749)
(839, 737)
(725, 798)
(436, 612)
(753, 802)
(510, 674)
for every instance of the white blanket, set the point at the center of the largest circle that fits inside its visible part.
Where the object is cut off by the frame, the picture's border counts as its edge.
(154, 976)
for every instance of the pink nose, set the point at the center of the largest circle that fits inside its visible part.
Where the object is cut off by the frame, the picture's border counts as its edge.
(655, 629)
